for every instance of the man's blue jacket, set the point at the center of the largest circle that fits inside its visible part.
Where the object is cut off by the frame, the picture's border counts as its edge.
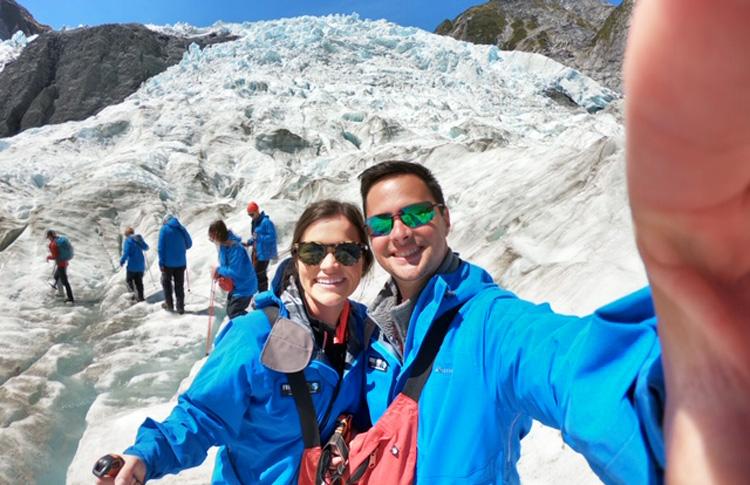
(174, 241)
(264, 238)
(132, 252)
(238, 403)
(234, 263)
(505, 361)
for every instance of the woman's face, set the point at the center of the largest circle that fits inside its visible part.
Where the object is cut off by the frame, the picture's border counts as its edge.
(327, 285)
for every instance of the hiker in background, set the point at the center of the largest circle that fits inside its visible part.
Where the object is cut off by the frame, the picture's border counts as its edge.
(235, 273)
(281, 276)
(132, 253)
(245, 398)
(263, 241)
(174, 241)
(61, 252)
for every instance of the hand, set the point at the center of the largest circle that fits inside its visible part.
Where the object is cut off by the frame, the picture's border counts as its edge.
(132, 472)
(214, 274)
(686, 79)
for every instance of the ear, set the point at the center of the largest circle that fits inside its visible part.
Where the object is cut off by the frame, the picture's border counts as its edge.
(447, 217)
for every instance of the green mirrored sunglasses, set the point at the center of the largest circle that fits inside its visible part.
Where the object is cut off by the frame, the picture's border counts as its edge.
(412, 216)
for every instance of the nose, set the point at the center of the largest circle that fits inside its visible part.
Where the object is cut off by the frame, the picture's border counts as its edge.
(329, 260)
(400, 230)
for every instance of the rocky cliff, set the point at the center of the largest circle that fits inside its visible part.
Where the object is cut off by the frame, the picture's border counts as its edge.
(71, 75)
(14, 17)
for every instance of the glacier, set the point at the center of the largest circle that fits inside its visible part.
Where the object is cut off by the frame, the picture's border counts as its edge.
(289, 113)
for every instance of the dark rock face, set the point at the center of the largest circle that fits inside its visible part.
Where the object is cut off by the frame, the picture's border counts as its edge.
(587, 35)
(71, 75)
(14, 17)
(559, 29)
(603, 60)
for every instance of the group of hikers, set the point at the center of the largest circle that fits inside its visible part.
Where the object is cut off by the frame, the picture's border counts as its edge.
(438, 381)
(174, 242)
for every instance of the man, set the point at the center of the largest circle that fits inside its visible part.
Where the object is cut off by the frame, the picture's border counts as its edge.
(61, 265)
(132, 253)
(234, 265)
(263, 241)
(504, 360)
(174, 241)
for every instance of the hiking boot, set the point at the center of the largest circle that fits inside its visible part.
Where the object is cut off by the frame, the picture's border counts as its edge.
(167, 307)
(181, 311)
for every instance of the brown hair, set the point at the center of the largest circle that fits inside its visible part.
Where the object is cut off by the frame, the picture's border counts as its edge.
(394, 168)
(218, 231)
(326, 209)
(129, 231)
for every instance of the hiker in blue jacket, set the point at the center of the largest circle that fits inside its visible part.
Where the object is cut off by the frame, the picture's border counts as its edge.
(504, 360)
(234, 265)
(241, 400)
(263, 241)
(132, 253)
(174, 241)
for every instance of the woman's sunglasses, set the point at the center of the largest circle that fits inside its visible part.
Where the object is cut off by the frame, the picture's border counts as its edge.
(313, 253)
(412, 216)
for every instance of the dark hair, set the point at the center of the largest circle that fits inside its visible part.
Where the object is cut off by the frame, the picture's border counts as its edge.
(394, 168)
(326, 209)
(51, 234)
(218, 231)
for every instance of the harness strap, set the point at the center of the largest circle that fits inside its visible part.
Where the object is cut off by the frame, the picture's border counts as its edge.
(301, 393)
(420, 372)
(422, 366)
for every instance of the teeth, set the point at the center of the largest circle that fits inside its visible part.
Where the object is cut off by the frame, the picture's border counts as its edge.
(329, 281)
(406, 254)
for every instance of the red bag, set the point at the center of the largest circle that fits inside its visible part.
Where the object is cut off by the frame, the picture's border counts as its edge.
(387, 452)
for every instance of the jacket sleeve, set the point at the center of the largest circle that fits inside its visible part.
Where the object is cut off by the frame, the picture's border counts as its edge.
(234, 263)
(161, 246)
(53, 252)
(597, 379)
(265, 243)
(188, 239)
(125, 252)
(209, 413)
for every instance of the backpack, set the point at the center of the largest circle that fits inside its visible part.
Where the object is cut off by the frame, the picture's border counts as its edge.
(64, 248)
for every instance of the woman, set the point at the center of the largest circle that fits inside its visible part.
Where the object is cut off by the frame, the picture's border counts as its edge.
(240, 404)
(234, 265)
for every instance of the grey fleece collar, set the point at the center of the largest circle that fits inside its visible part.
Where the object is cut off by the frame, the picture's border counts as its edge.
(393, 317)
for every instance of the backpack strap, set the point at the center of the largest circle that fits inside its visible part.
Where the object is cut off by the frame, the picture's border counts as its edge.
(301, 393)
(422, 366)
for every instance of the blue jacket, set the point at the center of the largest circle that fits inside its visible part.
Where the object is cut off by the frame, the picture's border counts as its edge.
(505, 361)
(132, 252)
(174, 241)
(264, 238)
(238, 403)
(234, 263)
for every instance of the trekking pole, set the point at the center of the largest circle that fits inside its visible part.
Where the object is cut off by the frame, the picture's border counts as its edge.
(210, 315)
(148, 265)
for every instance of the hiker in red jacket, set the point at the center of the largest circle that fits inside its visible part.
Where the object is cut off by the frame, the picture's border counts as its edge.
(61, 273)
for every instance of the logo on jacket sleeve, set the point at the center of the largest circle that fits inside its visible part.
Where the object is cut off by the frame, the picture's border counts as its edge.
(377, 363)
(312, 386)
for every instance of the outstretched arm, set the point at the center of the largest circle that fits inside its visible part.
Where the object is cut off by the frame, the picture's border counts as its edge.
(687, 75)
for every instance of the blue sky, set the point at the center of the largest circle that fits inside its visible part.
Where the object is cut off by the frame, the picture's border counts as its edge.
(426, 14)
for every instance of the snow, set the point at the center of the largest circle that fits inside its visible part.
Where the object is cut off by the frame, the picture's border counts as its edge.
(11, 48)
(289, 113)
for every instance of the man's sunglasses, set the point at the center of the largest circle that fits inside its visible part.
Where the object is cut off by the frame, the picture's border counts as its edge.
(313, 253)
(412, 216)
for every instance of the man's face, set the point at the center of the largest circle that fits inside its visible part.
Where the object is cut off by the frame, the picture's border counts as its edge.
(410, 255)
(253, 215)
